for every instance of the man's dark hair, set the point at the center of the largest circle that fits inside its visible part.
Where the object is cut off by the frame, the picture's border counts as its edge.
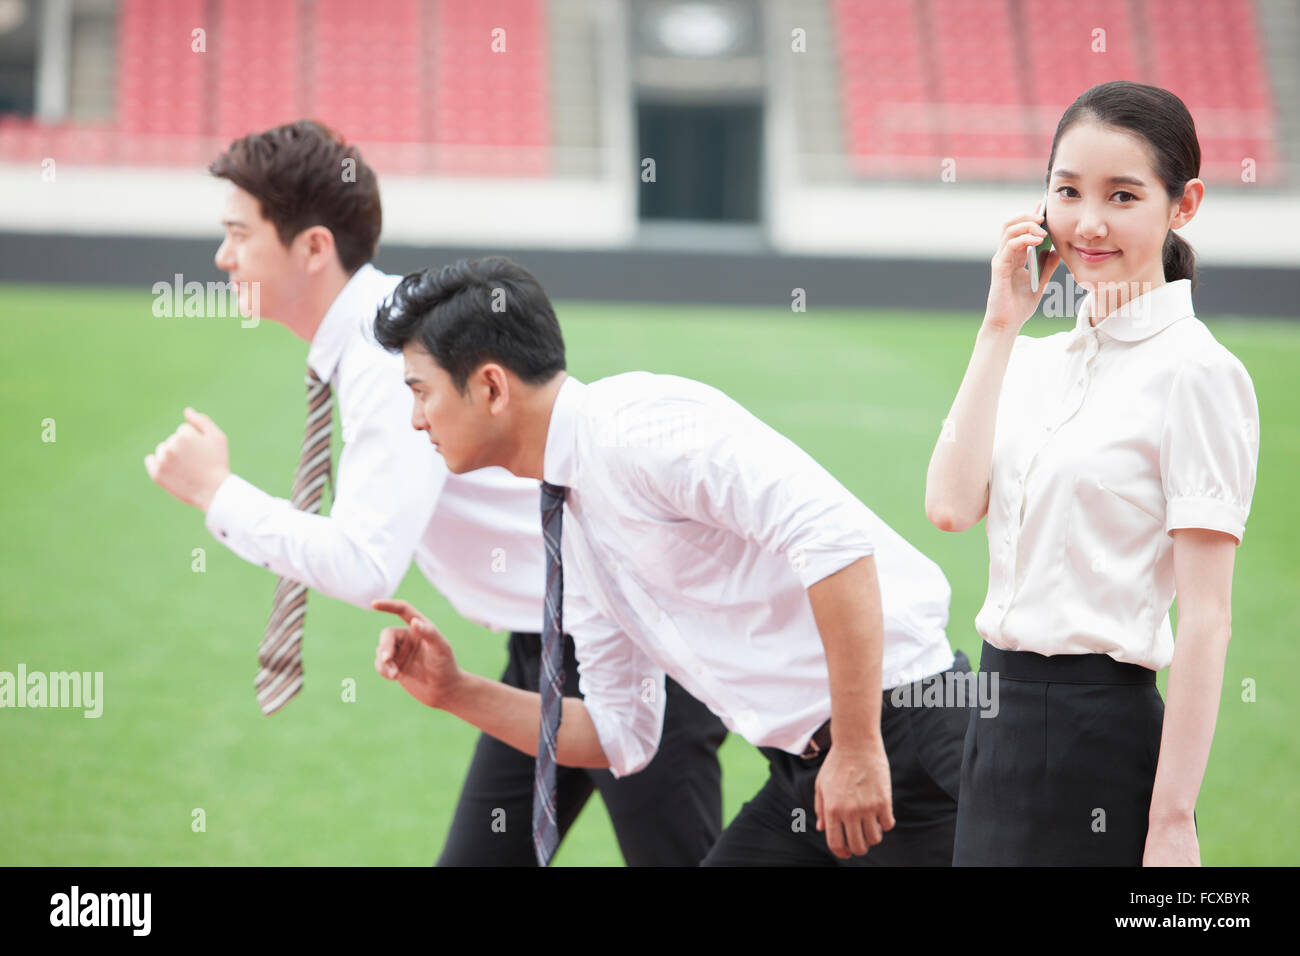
(302, 175)
(475, 311)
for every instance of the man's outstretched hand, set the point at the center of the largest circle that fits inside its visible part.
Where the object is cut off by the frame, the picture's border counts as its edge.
(416, 656)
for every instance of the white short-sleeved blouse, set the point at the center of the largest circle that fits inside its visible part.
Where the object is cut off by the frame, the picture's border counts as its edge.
(1108, 439)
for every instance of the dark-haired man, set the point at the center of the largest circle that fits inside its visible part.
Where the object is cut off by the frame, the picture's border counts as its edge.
(305, 234)
(687, 538)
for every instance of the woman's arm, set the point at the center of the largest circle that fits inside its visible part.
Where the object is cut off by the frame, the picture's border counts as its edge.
(957, 482)
(1203, 580)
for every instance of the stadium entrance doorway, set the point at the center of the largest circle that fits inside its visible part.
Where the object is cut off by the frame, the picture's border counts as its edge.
(705, 161)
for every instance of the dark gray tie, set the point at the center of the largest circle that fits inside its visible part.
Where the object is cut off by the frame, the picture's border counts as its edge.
(546, 831)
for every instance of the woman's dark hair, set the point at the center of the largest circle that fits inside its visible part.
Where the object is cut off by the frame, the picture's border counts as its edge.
(1160, 119)
(303, 175)
(475, 311)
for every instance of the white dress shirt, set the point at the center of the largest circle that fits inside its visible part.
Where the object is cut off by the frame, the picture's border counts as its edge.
(483, 548)
(1108, 439)
(691, 533)
(477, 537)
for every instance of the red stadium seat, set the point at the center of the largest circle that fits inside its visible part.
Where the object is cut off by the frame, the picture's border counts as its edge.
(986, 83)
(258, 78)
(160, 76)
(886, 123)
(419, 86)
(1210, 53)
(490, 108)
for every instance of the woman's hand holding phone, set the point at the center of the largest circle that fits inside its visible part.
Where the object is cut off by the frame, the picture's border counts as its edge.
(1011, 300)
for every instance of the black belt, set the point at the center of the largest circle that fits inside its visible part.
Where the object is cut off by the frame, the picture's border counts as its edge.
(1062, 668)
(821, 738)
(819, 743)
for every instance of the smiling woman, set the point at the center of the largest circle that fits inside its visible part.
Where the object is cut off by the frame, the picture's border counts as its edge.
(1122, 175)
(1116, 465)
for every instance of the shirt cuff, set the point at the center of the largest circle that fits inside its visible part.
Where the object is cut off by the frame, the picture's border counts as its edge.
(625, 753)
(1214, 514)
(235, 500)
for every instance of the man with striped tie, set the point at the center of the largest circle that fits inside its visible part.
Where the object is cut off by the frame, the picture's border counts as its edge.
(304, 235)
(686, 539)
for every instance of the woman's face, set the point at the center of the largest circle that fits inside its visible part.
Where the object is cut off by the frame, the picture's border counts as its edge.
(1108, 213)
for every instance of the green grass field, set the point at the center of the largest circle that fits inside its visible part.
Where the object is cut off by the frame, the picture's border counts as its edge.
(96, 575)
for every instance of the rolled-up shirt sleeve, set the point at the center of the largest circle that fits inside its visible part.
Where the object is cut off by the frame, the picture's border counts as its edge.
(1209, 446)
(388, 481)
(725, 468)
(622, 688)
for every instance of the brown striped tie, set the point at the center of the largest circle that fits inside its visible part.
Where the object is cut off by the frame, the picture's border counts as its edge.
(280, 655)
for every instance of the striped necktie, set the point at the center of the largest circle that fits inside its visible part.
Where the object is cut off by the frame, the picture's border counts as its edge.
(546, 831)
(280, 654)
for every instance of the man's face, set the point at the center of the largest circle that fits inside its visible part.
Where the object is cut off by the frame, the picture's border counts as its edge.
(253, 254)
(457, 424)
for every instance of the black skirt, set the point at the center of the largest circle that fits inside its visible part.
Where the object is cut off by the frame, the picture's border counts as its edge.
(1062, 775)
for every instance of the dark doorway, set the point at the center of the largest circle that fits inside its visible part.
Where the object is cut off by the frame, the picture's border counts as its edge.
(706, 161)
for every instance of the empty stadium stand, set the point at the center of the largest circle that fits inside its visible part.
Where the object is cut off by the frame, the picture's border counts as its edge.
(984, 83)
(431, 87)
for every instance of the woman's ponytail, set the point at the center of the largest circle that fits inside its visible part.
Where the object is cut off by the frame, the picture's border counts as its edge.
(1179, 259)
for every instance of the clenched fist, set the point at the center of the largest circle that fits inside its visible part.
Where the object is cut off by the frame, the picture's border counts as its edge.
(192, 463)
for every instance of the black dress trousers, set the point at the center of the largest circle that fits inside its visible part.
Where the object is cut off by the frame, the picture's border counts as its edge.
(778, 827)
(667, 814)
(1063, 775)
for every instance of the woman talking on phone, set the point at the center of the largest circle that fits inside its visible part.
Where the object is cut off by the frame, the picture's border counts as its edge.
(1115, 463)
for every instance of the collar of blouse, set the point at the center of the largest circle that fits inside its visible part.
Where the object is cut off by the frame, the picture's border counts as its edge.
(1140, 317)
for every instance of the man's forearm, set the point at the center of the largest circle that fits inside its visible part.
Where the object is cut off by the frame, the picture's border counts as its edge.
(847, 607)
(513, 716)
(327, 553)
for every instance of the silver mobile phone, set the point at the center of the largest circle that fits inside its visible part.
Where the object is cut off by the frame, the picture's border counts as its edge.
(1035, 251)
